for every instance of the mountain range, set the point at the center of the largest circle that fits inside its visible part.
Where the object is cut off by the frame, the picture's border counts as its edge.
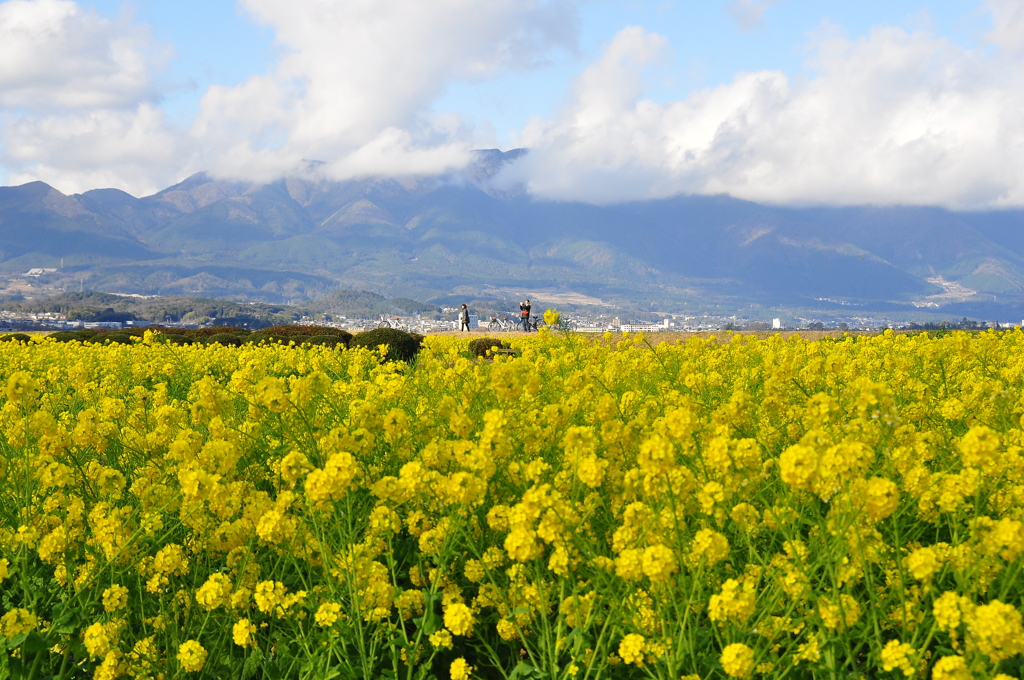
(456, 237)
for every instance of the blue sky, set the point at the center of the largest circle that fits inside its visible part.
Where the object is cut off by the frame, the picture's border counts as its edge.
(785, 101)
(217, 42)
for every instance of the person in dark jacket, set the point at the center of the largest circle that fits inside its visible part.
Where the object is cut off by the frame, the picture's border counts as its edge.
(524, 311)
(464, 318)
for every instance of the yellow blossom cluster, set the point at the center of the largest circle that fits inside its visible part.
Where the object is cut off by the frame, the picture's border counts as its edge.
(580, 507)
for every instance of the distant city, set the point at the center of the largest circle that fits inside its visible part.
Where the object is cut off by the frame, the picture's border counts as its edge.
(35, 300)
(448, 321)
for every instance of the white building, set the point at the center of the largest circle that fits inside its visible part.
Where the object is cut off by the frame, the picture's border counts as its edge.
(641, 327)
(776, 324)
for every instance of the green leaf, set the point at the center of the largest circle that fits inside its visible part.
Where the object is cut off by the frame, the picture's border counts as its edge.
(35, 642)
(252, 664)
(525, 670)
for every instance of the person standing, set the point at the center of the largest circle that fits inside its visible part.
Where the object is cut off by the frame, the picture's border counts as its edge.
(524, 312)
(464, 318)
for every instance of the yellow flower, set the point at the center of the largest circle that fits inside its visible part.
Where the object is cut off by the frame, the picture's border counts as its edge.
(269, 594)
(111, 667)
(842, 614)
(924, 563)
(631, 649)
(327, 614)
(995, 629)
(522, 545)
(552, 317)
(708, 545)
(798, 466)
(591, 470)
(733, 603)
(216, 592)
(192, 656)
(458, 618)
(21, 386)
(242, 633)
(951, 668)
(810, 650)
(948, 611)
(332, 482)
(981, 448)
(442, 639)
(170, 560)
(659, 563)
(737, 660)
(18, 621)
(460, 670)
(270, 393)
(878, 497)
(115, 597)
(629, 564)
(294, 466)
(97, 640)
(900, 656)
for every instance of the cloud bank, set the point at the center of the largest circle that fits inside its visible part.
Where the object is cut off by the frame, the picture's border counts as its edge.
(353, 86)
(895, 116)
(357, 80)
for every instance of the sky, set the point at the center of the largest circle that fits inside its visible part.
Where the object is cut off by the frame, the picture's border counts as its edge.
(788, 102)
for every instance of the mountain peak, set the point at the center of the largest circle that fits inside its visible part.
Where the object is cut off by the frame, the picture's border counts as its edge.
(424, 237)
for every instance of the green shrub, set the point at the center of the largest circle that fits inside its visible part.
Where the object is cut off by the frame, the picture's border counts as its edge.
(233, 339)
(214, 330)
(262, 336)
(15, 337)
(68, 336)
(402, 346)
(177, 339)
(329, 340)
(165, 330)
(344, 337)
(480, 346)
(338, 337)
(291, 330)
(112, 338)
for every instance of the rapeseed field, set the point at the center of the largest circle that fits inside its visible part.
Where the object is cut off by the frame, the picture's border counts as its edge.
(585, 508)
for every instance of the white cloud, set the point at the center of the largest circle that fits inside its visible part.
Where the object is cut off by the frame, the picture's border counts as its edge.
(134, 150)
(749, 14)
(894, 117)
(78, 104)
(354, 87)
(54, 54)
(1008, 20)
(356, 81)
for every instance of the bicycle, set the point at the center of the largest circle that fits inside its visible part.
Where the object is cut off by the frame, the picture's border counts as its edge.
(503, 324)
(385, 322)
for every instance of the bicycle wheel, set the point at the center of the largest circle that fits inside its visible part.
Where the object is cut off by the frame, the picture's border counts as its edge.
(494, 326)
(384, 324)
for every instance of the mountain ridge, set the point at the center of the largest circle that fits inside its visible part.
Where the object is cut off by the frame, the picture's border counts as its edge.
(434, 237)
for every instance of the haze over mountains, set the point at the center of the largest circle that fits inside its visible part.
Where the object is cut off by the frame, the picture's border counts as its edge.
(451, 238)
